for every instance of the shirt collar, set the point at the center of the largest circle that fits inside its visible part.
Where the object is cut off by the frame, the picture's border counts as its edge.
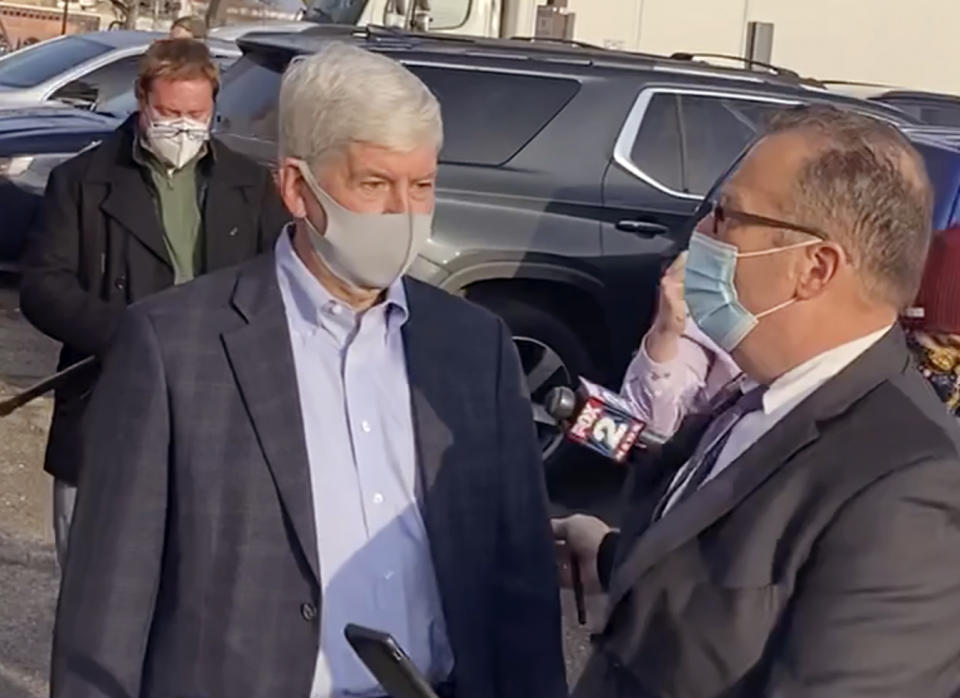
(313, 306)
(800, 381)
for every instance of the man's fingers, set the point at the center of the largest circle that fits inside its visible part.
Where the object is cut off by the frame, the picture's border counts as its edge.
(677, 266)
(559, 527)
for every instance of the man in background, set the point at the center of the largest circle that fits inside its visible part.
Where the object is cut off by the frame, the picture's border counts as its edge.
(156, 204)
(188, 27)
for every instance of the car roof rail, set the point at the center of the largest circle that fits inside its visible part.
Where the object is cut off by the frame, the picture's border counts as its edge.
(856, 83)
(573, 43)
(747, 62)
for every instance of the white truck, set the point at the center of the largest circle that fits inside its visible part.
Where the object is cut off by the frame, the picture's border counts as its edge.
(599, 20)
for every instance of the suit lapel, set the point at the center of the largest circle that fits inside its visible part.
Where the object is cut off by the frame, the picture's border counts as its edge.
(129, 203)
(758, 463)
(433, 438)
(712, 501)
(226, 208)
(128, 200)
(262, 359)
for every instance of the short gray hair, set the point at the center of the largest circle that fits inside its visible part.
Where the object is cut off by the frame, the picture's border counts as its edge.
(867, 188)
(344, 94)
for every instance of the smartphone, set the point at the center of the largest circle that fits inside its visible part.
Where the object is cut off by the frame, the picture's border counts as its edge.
(389, 664)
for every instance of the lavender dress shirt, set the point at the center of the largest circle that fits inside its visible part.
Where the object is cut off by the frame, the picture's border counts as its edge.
(664, 393)
(375, 563)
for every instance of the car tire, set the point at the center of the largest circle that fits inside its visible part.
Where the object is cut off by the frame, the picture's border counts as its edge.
(551, 354)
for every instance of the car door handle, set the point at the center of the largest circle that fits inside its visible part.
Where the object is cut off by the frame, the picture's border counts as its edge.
(645, 228)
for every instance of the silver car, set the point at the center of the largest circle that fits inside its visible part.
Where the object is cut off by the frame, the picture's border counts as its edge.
(85, 70)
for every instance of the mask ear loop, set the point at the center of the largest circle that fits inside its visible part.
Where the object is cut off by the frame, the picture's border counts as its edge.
(774, 250)
(312, 185)
(771, 311)
(760, 253)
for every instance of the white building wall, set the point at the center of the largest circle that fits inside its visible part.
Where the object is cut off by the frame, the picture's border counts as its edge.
(910, 44)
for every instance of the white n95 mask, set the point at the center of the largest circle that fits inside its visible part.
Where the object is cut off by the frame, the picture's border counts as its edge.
(365, 250)
(176, 141)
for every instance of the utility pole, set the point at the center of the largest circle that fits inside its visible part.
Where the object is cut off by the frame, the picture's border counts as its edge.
(133, 11)
(214, 10)
(63, 23)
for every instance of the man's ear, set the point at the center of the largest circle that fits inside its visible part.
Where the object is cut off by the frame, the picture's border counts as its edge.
(821, 263)
(291, 187)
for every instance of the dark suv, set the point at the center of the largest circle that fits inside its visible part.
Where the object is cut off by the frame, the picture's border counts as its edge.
(565, 180)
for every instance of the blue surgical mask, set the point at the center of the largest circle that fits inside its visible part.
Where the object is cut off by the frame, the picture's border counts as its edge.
(710, 292)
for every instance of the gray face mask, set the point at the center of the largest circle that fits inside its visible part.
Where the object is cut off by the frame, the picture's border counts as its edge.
(365, 250)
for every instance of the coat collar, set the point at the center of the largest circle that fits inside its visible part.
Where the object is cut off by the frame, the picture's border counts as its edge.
(798, 429)
(228, 179)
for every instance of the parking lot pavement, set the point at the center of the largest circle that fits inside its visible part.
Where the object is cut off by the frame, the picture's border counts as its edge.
(28, 570)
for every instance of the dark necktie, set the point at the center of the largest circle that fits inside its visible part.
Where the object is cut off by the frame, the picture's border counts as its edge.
(705, 456)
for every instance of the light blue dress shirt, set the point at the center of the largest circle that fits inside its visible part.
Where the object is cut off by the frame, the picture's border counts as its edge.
(375, 563)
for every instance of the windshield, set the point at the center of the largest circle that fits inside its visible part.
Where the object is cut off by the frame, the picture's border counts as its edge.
(335, 11)
(29, 67)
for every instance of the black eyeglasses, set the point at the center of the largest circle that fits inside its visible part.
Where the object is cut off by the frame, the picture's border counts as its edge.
(721, 214)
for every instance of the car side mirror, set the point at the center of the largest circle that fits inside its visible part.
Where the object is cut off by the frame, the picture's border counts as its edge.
(78, 94)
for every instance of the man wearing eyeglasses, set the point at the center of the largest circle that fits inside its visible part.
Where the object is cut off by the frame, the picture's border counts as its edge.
(156, 204)
(802, 541)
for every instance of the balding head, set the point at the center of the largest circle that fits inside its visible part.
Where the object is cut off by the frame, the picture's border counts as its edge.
(866, 187)
(829, 214)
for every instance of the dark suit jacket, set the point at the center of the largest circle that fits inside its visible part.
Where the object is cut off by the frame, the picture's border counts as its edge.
(823, 563)
(193, 567)
(98, 246)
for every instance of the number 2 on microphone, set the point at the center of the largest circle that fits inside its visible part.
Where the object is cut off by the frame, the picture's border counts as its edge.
(607, 431)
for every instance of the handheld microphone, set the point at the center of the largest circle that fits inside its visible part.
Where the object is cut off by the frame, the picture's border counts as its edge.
(600, 420)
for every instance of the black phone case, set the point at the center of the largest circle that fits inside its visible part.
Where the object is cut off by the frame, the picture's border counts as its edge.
(389, 664)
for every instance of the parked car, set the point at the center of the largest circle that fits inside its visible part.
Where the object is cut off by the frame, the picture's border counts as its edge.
(566, 175)
(232, 32)
(930, 108)
(83, 69)
(33, 141)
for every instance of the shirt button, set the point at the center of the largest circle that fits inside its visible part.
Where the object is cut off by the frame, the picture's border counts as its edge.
(365, 425)
(308, 611)
(378, 498)
(334, 308)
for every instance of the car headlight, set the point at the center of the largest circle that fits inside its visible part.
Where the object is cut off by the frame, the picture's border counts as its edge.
(13, 166)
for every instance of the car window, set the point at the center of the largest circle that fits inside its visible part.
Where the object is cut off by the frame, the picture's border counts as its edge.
(247, 104)
(928, 112)
(470, 101)
(110, 80)
(473, 100)
(656, 150)
(36, 64)
(448, 14)
(715, 131)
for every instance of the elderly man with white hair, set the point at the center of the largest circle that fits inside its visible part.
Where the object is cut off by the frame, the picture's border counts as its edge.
(312, 440)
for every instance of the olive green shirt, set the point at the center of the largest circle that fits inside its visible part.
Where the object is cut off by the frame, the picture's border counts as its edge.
(179, 208)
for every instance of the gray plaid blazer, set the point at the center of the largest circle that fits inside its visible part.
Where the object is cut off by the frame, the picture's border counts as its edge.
(193, 569)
